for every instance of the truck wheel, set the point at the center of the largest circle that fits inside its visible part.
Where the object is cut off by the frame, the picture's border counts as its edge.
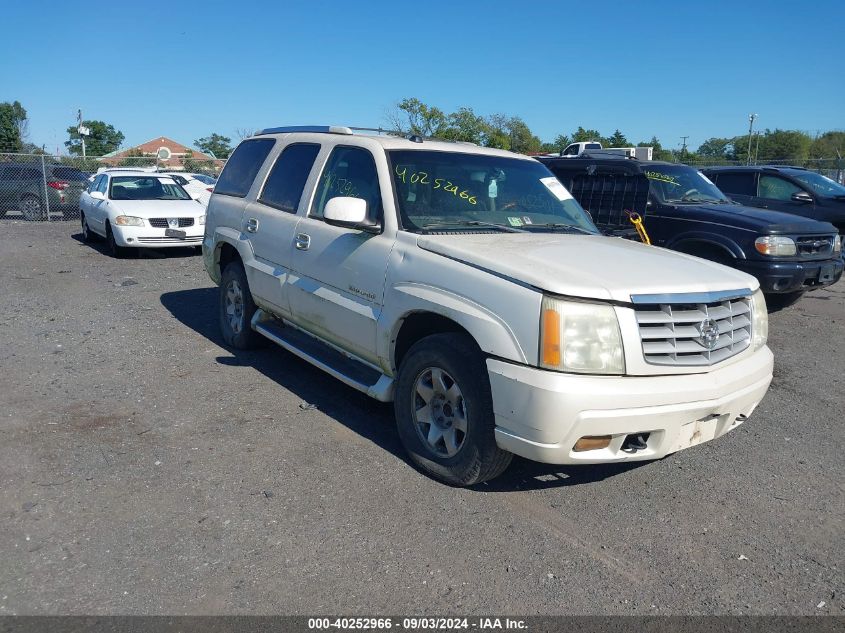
(775, 302)
(444, 411)
(237, 309)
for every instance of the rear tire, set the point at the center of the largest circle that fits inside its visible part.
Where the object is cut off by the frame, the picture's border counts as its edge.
(237, 309)
(88, 235)
(444, 411)
(32, 209)
(116, 251)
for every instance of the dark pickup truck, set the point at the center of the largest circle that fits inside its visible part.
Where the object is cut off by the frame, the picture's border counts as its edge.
(684, 211)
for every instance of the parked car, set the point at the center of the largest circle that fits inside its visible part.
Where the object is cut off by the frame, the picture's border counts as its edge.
(24, 188)
(682, 210)
(132, 209)
(466, 285)
(790, 189)
(197, 185)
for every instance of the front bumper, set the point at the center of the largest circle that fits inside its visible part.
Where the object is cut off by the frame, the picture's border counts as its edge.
(152, 237)
(541, 414)
(779, 277)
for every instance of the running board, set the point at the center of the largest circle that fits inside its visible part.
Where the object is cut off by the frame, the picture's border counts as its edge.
(348, 370)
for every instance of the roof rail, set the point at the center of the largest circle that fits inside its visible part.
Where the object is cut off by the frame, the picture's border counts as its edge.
(325, 129)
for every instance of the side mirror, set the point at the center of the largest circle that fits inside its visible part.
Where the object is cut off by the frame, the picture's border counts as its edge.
(802, 196)
(97, 195)
(346, 211)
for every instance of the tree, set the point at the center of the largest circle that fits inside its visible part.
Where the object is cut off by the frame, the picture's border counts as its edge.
(784, 145)
(103, 139)
(465, 125)
(412, 116)
(617, 139)
(581, 135)
(829, 145)
(658, 152)
(13, 126)
(217, 145)
(136, 158)
(718, 148)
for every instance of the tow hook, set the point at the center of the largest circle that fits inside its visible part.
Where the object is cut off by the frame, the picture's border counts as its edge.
(635, 442)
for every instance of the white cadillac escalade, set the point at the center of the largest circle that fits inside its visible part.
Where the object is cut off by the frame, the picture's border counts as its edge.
(467, 286)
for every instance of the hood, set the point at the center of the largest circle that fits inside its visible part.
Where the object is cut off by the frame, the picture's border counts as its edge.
(757, 219)
(159, 208)
(594, 267)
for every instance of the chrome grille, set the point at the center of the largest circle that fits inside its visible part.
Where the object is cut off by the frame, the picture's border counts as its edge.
(161, 223)
(815, 245)
(672, 333)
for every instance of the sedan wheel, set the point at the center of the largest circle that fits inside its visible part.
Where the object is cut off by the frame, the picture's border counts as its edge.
(31, 209)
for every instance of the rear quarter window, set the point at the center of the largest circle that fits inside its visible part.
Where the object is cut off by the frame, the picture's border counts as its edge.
(286, 181)
(740, 183)
(242, 167)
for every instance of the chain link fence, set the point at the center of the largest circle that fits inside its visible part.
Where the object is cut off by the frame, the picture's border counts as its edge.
(44, 188)
(833, 168)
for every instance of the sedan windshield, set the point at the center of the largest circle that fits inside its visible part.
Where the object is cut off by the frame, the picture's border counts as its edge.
(679, 183)
(145, 188)
(821, 185)
(439, 191)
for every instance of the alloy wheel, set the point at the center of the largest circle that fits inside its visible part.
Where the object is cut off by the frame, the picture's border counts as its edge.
(440, 413)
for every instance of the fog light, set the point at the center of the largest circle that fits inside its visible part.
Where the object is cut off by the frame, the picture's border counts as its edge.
(591, 443)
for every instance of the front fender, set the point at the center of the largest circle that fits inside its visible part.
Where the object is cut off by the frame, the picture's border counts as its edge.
(690, 238)
(491, 333)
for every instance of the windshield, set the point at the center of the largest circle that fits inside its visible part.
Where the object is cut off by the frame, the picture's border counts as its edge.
(821, 185)
(439, 190)
(679, 183)
(145, 188)
(208, 180)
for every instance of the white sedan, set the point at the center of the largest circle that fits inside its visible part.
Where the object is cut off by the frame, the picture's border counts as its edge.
(133, 209)
(198, 186)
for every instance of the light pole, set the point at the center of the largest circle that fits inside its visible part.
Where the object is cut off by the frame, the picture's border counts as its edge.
(751, 118)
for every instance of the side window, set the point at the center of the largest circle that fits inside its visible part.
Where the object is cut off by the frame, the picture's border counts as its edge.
(572, 150)
(179, 179)
(776, 188)
(104, 183)
(286, 181)
(739, 183)
(242, 166)
(350, 171)
(92, 186)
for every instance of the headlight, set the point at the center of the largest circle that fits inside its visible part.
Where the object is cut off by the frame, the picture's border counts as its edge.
(837, 244)
(775, 245)
(202, 219)
(578, 337)
(759, 320)
(128, 220)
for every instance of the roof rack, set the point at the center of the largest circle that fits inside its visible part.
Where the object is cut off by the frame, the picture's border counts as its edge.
(347, 130)
(326, 129)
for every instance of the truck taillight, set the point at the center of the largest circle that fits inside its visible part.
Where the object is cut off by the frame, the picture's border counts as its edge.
(61, 185)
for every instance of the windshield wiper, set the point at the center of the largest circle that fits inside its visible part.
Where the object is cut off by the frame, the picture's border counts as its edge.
(434, 226)
(559, 225)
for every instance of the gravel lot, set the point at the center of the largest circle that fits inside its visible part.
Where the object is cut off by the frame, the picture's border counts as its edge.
(144, 468)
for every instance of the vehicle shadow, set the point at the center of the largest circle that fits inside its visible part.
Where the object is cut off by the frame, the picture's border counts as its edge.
(140, 253)
(370, 419)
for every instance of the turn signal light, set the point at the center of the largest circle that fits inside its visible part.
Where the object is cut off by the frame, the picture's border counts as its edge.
(551, 337)
(591, 443)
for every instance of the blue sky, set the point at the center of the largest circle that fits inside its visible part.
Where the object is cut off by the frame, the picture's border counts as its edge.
(185, 70)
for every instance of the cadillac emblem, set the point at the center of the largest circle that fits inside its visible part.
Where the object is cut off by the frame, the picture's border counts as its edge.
(709, 333)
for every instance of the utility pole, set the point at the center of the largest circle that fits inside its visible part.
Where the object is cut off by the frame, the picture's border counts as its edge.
(751, 118)
(684, 145)
(757, 147)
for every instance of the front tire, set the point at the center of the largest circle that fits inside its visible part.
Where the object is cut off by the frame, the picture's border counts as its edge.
(237, 309)
(118, 252)
(444, 411)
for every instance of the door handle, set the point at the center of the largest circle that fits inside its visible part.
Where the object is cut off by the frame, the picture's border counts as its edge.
(303, 241)
(252, 225)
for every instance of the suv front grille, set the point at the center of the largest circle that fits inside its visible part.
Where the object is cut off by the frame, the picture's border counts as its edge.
(161, 223)
(815, 245)
(675, 333)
